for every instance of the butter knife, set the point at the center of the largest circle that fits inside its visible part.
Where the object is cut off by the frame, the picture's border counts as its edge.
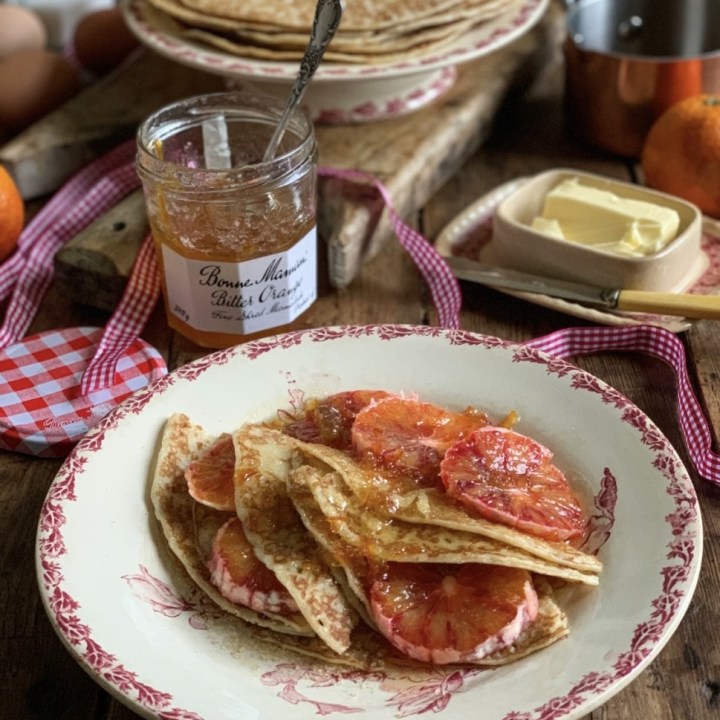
(645, 301)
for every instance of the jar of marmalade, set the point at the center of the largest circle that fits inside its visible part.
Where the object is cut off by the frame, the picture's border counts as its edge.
(235, 236)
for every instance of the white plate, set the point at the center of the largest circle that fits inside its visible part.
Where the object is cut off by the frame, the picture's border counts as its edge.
(102, 569)
(342, 92)
(470, 234)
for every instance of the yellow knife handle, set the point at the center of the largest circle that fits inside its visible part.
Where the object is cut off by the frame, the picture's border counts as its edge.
(662, 303)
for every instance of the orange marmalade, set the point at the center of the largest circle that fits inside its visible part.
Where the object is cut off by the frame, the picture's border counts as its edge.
(235, 236)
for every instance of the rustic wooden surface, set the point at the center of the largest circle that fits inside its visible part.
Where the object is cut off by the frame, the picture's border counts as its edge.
(40, 681)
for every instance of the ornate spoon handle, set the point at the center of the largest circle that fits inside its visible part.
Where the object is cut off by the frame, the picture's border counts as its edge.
(327, 19)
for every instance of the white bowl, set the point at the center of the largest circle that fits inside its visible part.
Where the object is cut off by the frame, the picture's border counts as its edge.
(517, 245)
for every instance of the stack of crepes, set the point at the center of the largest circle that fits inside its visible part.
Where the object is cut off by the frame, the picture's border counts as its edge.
(371, 31)
(296, 532)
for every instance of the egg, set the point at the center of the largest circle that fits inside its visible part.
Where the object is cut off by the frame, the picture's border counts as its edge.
(102, 40)
(32, 83)
(20, 29)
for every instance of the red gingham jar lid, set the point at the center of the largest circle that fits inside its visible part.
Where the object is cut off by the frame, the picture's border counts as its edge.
(42, 411)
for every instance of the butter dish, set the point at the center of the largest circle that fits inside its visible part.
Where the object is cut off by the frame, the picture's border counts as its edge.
(517, 244)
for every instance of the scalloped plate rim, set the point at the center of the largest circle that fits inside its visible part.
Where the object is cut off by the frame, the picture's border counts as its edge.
(97, 472)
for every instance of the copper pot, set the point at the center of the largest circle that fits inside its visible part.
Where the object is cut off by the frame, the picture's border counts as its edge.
(626, 61)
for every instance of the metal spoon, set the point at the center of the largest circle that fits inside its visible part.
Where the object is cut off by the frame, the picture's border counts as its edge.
(327, 19)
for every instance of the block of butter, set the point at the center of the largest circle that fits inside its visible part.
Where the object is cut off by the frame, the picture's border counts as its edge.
(594, 217)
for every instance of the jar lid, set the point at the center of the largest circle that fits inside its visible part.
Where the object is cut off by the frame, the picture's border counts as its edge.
(42, 411)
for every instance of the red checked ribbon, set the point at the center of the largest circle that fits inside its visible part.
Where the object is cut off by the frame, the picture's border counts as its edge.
(27, 274)
(444, 287)
(66, 214)
(658, 343)
(127, 321)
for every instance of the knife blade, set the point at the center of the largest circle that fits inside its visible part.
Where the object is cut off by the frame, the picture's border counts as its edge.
(661, 303)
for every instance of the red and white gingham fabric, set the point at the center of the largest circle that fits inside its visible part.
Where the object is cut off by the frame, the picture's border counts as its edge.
(658, 343)
(41, 409)
(71, 193)
(29, 271)
(443, 285)
(96, 366)
(128, 320)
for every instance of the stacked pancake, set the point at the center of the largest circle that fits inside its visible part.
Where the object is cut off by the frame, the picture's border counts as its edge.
(322, 559)
(371, 31)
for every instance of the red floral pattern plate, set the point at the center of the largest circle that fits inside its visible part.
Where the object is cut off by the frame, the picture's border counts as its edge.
(155, 643)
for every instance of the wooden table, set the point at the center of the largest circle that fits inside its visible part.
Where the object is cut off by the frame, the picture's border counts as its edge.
(40, 680)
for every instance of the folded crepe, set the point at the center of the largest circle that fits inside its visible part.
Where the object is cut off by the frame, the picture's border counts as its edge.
(401, 501)
(264, 459)
(189, 527)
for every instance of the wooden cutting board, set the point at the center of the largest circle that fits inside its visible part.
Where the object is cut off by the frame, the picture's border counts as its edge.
(413, 156)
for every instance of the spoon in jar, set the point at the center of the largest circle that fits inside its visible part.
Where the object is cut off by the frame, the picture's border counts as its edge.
(327, 19)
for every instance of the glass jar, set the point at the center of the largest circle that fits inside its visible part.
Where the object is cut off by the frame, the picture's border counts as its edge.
(235, 236)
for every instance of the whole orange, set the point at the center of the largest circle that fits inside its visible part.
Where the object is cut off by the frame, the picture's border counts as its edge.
(12, 214)
(681, 154)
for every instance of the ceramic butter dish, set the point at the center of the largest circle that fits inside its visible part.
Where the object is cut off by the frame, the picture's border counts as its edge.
(574, 225)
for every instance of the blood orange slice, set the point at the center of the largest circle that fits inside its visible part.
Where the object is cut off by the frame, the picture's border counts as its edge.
(329, 421)
(410, 437)
(451, 613)
(210, 477)
(509, 478)
(241, 578)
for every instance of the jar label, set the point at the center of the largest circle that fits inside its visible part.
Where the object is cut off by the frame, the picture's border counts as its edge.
(245, 297)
